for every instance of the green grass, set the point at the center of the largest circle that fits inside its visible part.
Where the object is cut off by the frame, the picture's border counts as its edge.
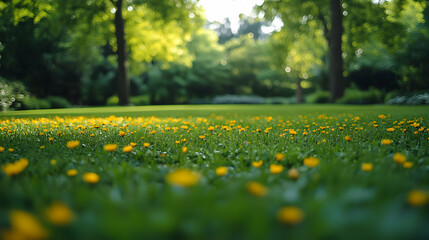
(133, 200)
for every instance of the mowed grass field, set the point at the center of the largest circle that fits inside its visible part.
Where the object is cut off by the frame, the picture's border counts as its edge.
(215, 172)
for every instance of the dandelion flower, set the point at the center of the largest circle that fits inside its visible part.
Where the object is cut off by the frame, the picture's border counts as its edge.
(390, 129)
(146, 145)
(202, 137)
(71, 172)
(257, 164)
(221, 171)
(279, 156)
(347, 138)
(311, 162)
(386, 141)
(122, 133)
(276, 169)
(72, 144)
(407, 165)
(399, 158)
(211, 128)
(15, 168)
(417, 198)
(290, 215)
(91, 177)
(59, 214)
(128, 149)
(184, 149)
(11, 149)
(256, 189)
(1, 149)
(367, 167)
(293, 173)
(110, 147)
(26, 225)
(183, 178)
(133, 144)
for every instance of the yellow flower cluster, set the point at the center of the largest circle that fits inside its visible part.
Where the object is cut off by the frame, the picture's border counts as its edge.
(15, 168)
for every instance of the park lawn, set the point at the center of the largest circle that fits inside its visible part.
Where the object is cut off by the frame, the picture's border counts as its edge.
(215, 172)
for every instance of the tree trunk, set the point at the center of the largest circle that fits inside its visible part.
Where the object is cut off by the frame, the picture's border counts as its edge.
(335, 53)
(123, 81)
(299, 95)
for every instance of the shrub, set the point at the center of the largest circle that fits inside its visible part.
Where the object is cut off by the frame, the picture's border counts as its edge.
(236, 99)
(31, 102)
(140, 100)
(415, 99)
(318, 96)
(355, 96)
(281, 100)
(58, 102)
(11, 94)
(112, 101)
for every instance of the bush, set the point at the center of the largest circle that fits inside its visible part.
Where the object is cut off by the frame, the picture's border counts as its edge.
(318, 96)
(58, 102)
(236, 99)
(11, 94)
(355, 96)
(112, 101)
(415, 99)
(31, 102)
(140, 100)
(281, 100)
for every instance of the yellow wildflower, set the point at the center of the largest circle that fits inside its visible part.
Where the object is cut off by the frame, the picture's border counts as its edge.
(399, 158)
(293, 173)
(91, 177)
(211, 128)
(184, 149)
(386, 141)
(417, 198)
(59, 214)
(53, 161)
(146, 145)
(407, 165)
(290, 215)
(128, 149)
(72, 144)
(390, 129)
(110, 147)
(280, 156)
(311, 162)
(276, 169)
(348, 138)
(183, 178)
(122, 133)
(221, 171)
(26, 225)
(366, 167)
(71, 172)
(11, 149)
(202, 137)
(133, 144)
(1, 149)
(257, 164)
(15, 168)
(256, 189)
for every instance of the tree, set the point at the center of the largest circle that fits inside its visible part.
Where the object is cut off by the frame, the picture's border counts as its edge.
(297, 15)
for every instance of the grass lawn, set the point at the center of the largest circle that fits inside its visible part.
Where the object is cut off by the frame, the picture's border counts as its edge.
(215, 172)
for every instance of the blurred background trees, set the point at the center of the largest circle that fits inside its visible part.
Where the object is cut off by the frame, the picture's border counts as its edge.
(66, 52)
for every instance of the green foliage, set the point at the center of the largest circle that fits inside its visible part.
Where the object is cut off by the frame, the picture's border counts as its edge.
(356, 96)
(319, 96)
(58, 102)
(31, 102)
(140, 100)
(238, 99)
(112, 101)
